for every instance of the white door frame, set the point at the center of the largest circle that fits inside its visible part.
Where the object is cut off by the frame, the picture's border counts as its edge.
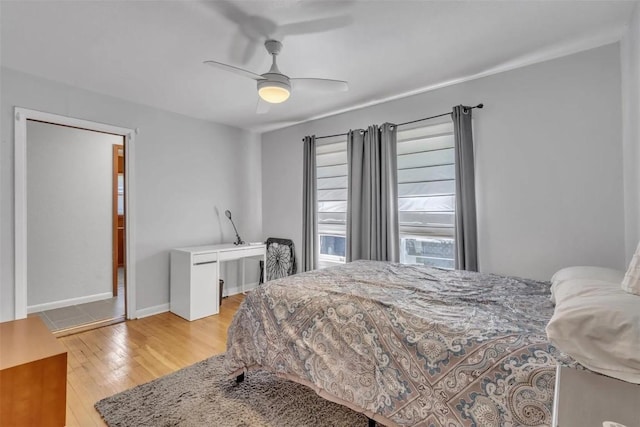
(21, 115)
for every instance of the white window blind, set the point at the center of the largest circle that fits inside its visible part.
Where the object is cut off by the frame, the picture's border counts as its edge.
(331, 164)
(426, 195)
(426, 180)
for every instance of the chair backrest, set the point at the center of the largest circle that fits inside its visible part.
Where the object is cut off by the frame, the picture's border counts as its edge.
(281, 258)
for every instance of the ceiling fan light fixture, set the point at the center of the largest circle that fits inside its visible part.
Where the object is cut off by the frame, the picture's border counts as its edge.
(274, 92)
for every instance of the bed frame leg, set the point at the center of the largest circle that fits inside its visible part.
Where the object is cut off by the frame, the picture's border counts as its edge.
(372, 423)
(240, 378)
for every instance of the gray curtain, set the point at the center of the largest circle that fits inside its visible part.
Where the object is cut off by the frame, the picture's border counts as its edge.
(372, 212)
(309, 220)
(466, 225)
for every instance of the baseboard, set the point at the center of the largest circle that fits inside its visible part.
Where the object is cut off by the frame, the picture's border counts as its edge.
(163, 308)
(237, 288)
(67, 302)
(150, 311)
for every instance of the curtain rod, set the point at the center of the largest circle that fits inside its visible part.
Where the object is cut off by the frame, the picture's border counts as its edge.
(405, 123)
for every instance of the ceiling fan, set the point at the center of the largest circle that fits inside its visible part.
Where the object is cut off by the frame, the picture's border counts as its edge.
(275, 87)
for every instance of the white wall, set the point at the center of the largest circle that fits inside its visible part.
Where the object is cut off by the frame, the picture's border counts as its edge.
(187, 172)
(549, 162)
(630, 60)
(69, 216)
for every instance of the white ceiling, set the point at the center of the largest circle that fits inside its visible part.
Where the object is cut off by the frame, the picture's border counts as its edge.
(151, 52)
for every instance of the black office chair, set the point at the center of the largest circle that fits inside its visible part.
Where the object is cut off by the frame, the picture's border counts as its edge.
(281, 259)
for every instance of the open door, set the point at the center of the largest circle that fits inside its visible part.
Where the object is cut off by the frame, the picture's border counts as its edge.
(118, 208)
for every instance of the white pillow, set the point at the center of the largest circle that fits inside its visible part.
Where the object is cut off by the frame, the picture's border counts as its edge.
(598, 273)
(598, 325)
(631, 282)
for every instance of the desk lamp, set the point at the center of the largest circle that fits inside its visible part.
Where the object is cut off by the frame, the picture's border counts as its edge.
(238, 241)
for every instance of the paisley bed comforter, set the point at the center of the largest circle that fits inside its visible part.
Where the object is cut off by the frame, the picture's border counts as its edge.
(406, 345)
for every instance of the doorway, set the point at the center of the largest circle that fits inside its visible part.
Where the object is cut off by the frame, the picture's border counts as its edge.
(73, 211)
(72, 176)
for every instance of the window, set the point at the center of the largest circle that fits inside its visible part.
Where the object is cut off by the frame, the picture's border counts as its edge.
(426, 195)
(331, 173)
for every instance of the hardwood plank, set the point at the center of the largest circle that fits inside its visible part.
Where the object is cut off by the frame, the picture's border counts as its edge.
(80, 415)
(115, 358)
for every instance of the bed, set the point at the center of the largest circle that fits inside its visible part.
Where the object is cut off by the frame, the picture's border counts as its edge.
(406, 345)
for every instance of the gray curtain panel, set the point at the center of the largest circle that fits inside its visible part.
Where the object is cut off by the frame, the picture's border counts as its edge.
(372, 212)
(309, 197)
(466, 224)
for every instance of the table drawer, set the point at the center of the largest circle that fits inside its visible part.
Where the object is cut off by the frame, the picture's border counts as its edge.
(205, 258)
(242, 253)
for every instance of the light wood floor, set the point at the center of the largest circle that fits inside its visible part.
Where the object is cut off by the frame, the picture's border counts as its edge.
(114, 358)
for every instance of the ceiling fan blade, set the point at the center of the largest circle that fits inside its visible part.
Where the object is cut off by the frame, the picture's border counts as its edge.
(230, 11)
(242, 49)
(313, 26)
(252, 27)
(235, 70)
(319, 7)
(262, 107)
(320, 84)
(258, 28)
(237, 46)
(249, 52)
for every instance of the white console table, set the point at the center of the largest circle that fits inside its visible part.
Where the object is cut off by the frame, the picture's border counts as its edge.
(195, 272)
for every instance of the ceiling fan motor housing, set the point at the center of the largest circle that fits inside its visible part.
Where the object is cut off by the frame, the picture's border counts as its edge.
(273, 46)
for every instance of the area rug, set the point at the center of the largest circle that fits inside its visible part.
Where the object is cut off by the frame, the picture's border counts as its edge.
(202, 395)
